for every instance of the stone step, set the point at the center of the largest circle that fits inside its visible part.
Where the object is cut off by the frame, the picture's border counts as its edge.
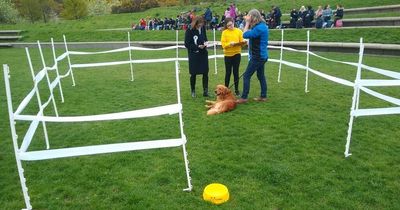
(377, 9)
(10, 38)
(383, 21)
(5, 45)
(10, 32)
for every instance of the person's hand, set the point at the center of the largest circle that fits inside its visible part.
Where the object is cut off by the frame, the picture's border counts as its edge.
(232, 44)
(247, 18)
(202, 46)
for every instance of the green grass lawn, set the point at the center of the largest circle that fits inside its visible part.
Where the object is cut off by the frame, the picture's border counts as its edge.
(284, 154)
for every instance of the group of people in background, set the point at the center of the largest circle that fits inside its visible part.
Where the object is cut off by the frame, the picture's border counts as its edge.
(324, 17)
(183, 21)
(305, 17)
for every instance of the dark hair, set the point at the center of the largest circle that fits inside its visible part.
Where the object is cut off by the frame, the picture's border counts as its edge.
(227, 20)
(196, 21)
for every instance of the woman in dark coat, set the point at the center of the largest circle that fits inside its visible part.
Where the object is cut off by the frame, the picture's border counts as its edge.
(196, 43)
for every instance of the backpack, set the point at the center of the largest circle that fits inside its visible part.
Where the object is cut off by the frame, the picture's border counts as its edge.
(339, 23)
(319, 23)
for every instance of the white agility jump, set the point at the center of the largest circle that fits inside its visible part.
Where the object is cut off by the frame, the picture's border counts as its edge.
(358, 84)
(22, 153)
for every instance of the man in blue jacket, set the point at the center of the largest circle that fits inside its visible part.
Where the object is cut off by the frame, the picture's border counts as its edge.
(257, 32)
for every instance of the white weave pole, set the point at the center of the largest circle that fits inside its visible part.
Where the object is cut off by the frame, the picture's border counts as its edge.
(130, 55)
(15, 138)
(69, 61)
(56, 66)
(280, 59)
(39, 100)
(215, 53)
(48, 79)
(308, 61)
(356, 97)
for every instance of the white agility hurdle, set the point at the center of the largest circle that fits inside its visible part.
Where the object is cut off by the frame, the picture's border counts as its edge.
(21, 151)
(22, 154)
(358, 84)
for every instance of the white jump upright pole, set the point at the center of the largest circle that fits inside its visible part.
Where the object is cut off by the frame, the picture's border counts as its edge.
(280, 59)
(356, 98)
(183, 136)
(56, 66)
(359, 71)
(48, 79)
(215, 53)
(15, 138)
(69, 61)
(308, 61)
(130, 55)
(39, 100)
(177, 49)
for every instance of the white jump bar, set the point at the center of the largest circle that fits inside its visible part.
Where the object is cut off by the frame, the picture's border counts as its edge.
(377, 111)
(99, 149)
(156, 111)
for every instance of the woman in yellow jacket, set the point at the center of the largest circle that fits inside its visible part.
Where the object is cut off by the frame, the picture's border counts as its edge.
(232, 42)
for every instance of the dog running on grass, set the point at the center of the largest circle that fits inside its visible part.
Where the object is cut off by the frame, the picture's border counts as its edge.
(225, 102)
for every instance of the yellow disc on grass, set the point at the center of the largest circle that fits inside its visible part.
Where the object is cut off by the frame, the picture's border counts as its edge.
(216, 193)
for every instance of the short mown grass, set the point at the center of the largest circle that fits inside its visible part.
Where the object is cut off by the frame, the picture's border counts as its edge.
(284, 154)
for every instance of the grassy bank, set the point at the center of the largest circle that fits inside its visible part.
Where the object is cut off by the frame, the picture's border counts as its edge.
(87, 29)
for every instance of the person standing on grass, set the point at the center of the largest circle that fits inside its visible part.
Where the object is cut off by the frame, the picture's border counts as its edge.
(232, 42)
(257, 32)
(196, 44)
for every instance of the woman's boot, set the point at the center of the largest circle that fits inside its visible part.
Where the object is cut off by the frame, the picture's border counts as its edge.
(193, 92)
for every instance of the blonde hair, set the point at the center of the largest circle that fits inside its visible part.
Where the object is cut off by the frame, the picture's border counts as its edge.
(255, 17)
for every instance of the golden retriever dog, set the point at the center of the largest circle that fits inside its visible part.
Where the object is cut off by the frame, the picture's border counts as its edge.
(225, 102)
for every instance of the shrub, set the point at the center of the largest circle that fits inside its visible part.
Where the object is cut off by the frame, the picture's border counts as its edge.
(99, 7)
(8, 14)
(75, 9)
(127, 6)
